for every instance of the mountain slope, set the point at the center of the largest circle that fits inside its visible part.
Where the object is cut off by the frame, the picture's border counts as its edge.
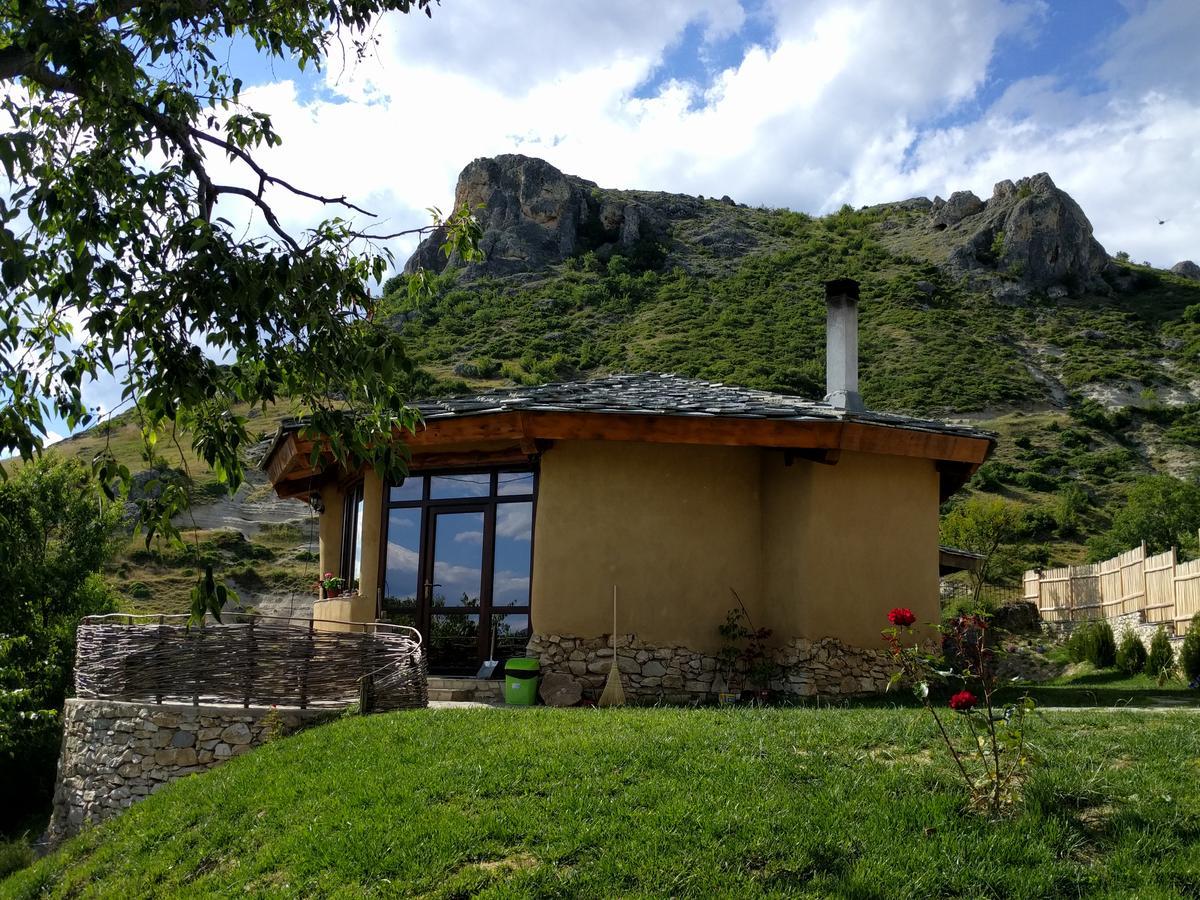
(1005, 313)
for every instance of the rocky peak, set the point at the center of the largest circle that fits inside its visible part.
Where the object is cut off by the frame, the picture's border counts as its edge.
(533, 216)
(1187, 269)
(1031, 232)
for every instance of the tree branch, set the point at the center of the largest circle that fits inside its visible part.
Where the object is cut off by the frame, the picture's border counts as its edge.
(264, 175)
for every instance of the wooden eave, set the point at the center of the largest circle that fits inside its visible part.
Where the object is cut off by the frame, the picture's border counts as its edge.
(520, 434)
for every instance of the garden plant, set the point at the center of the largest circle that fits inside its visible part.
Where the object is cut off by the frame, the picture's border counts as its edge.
(987, 742)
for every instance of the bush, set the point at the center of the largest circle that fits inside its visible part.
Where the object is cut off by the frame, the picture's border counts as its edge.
(1093, 642)
(1131, 655)
(1161, 660)
(14, 855)
(1103, 646)
(54, 535)
(1189, 654)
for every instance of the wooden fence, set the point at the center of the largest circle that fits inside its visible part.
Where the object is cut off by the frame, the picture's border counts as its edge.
(263, 661)
(1158, 589)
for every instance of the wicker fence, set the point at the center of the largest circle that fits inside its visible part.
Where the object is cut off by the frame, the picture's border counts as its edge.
(1158, 589)
(263, 661)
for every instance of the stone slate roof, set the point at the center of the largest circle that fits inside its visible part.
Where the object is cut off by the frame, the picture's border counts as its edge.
(667, 395)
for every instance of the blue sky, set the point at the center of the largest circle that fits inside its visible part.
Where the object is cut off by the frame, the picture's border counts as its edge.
(807, 104)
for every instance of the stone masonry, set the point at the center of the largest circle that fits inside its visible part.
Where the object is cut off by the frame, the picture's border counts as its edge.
(114, 753)
(678, 674)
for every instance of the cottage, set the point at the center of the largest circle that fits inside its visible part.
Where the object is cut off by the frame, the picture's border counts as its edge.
(525, 506)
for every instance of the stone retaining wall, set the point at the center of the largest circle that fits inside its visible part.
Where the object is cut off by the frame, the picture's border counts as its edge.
(1122, 623)
(678, 674)
(114, 753)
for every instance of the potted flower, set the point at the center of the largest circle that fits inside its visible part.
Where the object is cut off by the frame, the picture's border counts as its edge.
(332, 585)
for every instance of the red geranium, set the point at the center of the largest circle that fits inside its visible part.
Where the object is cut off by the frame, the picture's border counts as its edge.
(901, 616)
(963, 701)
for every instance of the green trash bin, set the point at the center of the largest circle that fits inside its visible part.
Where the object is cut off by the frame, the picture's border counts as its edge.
(521, 681)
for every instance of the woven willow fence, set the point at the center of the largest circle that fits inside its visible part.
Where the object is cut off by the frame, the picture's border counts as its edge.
(1158, 589)
(263, 661)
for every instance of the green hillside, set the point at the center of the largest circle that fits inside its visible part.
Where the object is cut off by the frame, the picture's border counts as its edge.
(1091, 389)
(1089, 383)
(653, 803)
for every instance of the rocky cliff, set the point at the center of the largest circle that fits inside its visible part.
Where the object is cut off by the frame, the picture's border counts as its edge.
(1030, 234)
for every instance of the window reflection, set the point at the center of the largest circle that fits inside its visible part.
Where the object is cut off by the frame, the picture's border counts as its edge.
(454, 642)
(514, 544)
(458, 559)
(400, 574)
(511, 634)
(509, 483)
(407, 491)
(452, 487)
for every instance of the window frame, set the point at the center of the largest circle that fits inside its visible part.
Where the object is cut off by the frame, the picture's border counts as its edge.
(489, 504)
(353, 507)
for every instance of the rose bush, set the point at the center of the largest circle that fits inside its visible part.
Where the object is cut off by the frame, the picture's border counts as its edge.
(987, 743)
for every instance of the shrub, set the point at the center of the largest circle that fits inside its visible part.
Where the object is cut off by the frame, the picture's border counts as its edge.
(1161, 660)
(1093, 642)
(14, 855)
(1102, 648)
(1189, 654)
(1131, 655)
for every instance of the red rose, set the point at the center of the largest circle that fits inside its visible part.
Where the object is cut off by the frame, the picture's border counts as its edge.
(901, 616)
(963, 701)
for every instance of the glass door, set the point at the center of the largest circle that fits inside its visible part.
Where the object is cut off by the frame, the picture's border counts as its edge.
(454, 588)
(457, 564)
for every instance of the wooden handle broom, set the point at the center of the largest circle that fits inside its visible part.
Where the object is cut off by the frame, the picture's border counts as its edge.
(614, 694)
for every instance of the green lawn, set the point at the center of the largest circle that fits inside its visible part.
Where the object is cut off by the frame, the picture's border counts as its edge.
(1085, 685)
(654, 803)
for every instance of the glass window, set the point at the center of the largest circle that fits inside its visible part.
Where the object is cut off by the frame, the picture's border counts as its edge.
(514, 483)
(352, 527)
(514, 546)
(408, 490)
(458, 559)
(453, 487)
(454, 642)
(511, 634)
(400, 588)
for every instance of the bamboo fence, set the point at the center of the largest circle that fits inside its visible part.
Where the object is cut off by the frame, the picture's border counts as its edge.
(261, 661)
(1157, 589)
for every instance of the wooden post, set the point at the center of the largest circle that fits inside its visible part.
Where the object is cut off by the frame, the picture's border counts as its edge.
(196, 664)
(304, 665)
(250, 655)
(158, 697)
(1071, 593)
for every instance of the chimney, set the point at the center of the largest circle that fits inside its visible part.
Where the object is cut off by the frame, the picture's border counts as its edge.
(841, 345)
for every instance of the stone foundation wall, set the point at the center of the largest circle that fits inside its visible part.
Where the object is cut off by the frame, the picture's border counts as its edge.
(1122, 623)
(115, 753)
(678, 674)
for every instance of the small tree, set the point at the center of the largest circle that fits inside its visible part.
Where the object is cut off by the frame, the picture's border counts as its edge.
(1103, 646)
(1161, 660)
(1131, 655)
(1161, 510)
(991, 528)
(55, 533)
(1189, 654)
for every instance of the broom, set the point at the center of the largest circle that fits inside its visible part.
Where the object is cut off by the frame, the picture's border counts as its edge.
(614, 694)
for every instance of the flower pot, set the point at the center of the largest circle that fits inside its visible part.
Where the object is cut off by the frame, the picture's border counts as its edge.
(330, 593)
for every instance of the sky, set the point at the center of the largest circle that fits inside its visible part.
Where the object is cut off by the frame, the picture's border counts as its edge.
(806, 104)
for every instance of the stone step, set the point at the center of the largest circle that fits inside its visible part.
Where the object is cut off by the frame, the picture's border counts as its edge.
(465, 689)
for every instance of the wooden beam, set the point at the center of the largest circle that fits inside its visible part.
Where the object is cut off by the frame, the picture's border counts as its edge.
(452, 460)
(531, 432)
(824, 457)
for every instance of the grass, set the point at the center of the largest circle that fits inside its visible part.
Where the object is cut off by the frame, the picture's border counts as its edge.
(1085, 685)
(652, 803)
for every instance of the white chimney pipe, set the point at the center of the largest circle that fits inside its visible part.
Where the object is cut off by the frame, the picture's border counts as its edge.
(841, 345)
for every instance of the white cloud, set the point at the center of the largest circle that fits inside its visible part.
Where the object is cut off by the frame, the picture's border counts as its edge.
(847, 102)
